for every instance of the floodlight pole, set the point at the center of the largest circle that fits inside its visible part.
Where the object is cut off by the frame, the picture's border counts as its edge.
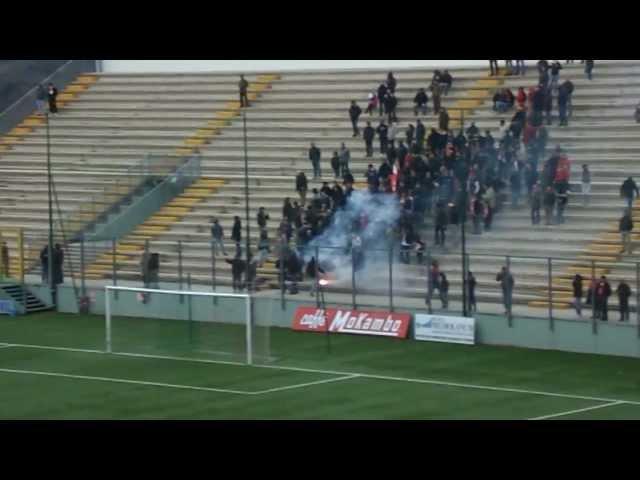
(50, 210)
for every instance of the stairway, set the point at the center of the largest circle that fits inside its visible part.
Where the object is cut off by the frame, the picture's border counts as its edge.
(25, 300)
(133, 244)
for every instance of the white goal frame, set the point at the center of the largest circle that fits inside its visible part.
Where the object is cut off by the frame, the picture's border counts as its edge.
(248, 311)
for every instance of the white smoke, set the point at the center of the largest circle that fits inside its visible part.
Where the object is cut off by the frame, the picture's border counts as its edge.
(381, 213)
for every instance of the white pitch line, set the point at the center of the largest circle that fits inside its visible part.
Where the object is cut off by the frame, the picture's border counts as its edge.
(301, 385)
(122, 380)
(571, 412)
(340, 373)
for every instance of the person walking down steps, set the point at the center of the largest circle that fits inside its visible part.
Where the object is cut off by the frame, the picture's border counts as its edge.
(243, 86)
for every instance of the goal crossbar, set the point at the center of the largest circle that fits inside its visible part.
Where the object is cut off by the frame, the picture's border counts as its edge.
(246, 297)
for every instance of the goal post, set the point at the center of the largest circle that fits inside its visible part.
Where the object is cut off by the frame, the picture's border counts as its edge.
(152, 321)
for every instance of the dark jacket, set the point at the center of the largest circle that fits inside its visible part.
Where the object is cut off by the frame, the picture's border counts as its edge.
(624, 292)
(506, 280)
(383, 132)
(301, 183)
(421, 98)
(628, 188)
(236, 232)
(354, 112)
(368, 134)
(237, 266)
(314, 154)
(577, 287)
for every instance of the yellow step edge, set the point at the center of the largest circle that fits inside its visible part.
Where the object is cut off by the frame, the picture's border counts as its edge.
(86, 79)
(226, 114)
(194, 141)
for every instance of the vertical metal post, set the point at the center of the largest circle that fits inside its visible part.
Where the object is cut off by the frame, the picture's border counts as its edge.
(83, 285)
(114, 272)
(282, 284)
(594, 322)
(463, 221)
(189, 310)
(246, 186)
(353, 280)
(180, 269)
(317, 277)
(428, 295)
(50, 199)
(213, 272)
(391, 277)
(638, 297)
(509, 294)
(550, 292)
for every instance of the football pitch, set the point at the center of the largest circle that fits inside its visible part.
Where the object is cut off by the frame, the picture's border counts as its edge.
(53, 366)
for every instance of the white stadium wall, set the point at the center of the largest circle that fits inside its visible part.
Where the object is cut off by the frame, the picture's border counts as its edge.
(151, 66)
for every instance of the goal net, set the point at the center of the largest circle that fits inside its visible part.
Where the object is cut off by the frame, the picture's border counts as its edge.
(180, 323)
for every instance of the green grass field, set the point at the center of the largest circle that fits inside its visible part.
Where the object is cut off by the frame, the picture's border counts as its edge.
(52, 366)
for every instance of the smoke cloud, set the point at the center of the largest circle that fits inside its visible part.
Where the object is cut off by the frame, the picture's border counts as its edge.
(376, 215)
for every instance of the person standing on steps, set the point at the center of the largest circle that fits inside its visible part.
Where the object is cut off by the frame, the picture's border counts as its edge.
(601, 297)
(629, 191)
(52, 95)
(314, 156)
(624, 292)
(393, 132)
(586, 185)
(420, 101)
(421, 133)
(382, 94)
(383, 136)
(436, 96)
(577, 293)
(444, 120)
(441, 224)
(626, 227)
(354, 114)
(335, 164)
(506, 284)
(217, 236)
(368, 135)
(41, 99)
(444, 291)
(588, 68)
(301, 187)
(549, 202)
(236, 233)
(243, 86)
(345, 158)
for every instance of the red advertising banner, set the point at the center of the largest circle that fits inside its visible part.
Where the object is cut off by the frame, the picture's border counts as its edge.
(359, 322)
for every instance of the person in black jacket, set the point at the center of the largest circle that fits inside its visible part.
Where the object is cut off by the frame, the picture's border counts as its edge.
(58, 261)
(421, 133)
(442, 220)
(243, 85)
(262, 218)
(626, 227)
(354, 114)
(382, 93)
(577, 293)
(301, 187)
(446, 80)
(601, 297)
(52, 95)
(629, 191)
(420, 101)
(311, 269)
(391, 82)
(237, 270)
(236, 233)
(368, 134)
(588, 68)
(624, 292)
(383, 135)
(314, 156)
(390, 104)
(335, 164)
